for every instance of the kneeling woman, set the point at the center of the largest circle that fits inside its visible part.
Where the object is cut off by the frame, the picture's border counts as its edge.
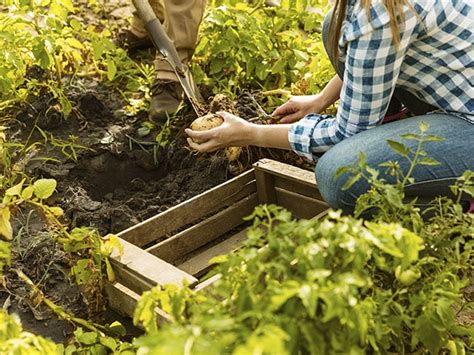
(415, 55)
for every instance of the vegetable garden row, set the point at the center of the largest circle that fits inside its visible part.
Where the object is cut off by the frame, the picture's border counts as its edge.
(82, 162)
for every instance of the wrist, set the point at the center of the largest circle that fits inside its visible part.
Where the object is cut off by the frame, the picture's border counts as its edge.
(251, 134)
(324, 100)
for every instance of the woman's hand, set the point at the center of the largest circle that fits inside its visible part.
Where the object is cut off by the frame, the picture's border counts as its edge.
(233, 132)
(299, 106)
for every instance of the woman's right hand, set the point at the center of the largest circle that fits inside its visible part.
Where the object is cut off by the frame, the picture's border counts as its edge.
(299, 106)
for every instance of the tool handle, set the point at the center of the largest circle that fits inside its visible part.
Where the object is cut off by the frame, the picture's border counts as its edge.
(144, 9)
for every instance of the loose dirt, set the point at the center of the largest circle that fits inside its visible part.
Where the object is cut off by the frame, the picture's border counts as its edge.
(109, 178)
(116, 180)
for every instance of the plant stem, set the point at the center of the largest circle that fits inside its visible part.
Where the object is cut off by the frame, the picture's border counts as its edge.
(58, 310)
(412, 162)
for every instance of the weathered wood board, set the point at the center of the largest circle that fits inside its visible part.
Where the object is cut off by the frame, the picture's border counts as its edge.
(176, 245)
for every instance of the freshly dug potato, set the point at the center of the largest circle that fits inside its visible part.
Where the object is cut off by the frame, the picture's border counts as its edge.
(206, 122)
(232, 153)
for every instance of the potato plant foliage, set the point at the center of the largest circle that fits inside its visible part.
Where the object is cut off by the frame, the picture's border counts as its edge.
(391, 284)
(45, 49)
(336, 285)
(252, 46)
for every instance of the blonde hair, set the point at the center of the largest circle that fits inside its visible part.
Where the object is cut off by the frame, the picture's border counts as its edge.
(394, 8)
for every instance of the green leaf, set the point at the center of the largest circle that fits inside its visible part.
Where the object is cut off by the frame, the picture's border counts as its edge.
(44, 188)
(15, 190)
(428, 161)
(219, 259)
(433, 138)
(428, 335)
(74, 43)
(143, 131)
(424, 127)
(109, 270)
(87, 338)
(352, 181)
(111, 69)
(27, 193)
(410, 136)
(341, 171)
(117, 328)
(5, 226)
(108, 342)
(82, 271)
(398, 147)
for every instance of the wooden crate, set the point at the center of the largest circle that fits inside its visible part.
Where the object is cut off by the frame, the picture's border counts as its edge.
(177, 244)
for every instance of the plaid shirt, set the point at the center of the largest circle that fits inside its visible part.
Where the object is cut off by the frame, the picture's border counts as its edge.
(435, 62)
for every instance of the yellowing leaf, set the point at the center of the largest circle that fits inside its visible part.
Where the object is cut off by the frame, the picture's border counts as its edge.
(109, 270)
(74, 43)
(15, 190)
(5, 226)
(27, 192)
(111, 69)
(57, 211)
(44, 188)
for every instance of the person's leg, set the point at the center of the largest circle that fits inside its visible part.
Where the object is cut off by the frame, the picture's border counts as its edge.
(454, 154)
(181, 21)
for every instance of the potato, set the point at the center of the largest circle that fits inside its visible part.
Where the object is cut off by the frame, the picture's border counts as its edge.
(232, 153)
(206, 122)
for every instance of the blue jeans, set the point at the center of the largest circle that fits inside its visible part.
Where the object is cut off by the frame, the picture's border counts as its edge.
(456, 153)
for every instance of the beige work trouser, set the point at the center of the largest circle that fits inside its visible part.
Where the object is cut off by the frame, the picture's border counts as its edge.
(181, 19)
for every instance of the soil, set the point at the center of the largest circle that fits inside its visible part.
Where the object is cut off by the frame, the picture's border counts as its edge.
(117, 180)
(109, 178)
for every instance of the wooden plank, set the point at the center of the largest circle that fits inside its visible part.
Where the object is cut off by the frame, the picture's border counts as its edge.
(124, 301)
(206, 283)
(298, 187)
(177, 246)
(265, 187)
(144, 267)
(200, 263)
(301, 206)
(189, 211)
(286, 171)
(322, 214)
(133, 281)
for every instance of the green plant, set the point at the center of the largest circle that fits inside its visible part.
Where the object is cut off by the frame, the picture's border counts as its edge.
(88, 250)
(271, 47)
(68, 148)
(48, 50)
(336, 285)
(389, 199)
(13, 340)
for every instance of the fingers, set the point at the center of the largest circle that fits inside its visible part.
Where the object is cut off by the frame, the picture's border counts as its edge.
(198, 135)
(205, 147)
(226, 115)
(285, 109)
(202, 141)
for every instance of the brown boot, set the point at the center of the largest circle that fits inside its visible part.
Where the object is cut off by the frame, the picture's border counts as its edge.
(167, 97)
(128, 40)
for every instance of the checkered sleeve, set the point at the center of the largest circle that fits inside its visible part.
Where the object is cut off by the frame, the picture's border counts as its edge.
(371, 71)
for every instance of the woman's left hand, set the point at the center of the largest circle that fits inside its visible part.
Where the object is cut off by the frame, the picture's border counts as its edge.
(233, 132)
